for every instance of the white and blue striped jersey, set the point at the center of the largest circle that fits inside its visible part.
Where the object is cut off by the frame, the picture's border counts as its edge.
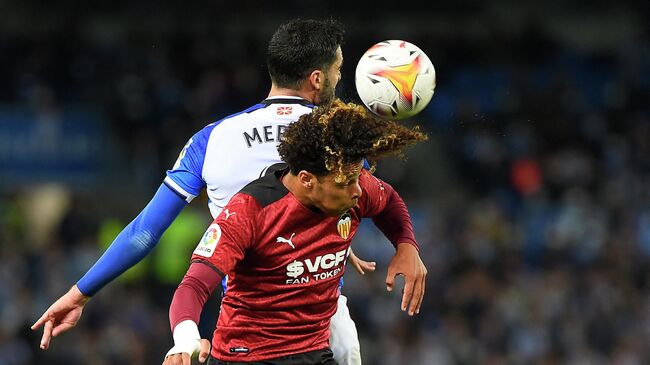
(228, 154)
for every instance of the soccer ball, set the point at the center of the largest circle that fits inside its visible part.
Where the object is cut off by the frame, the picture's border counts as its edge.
(395, 79)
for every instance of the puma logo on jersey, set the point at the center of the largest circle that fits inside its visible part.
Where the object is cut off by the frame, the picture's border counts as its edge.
(288, 241)
(228, 214)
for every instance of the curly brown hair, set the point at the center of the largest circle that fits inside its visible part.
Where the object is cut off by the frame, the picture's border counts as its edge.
(336, 135)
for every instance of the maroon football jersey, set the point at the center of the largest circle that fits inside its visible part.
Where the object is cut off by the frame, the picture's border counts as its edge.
(283, 262)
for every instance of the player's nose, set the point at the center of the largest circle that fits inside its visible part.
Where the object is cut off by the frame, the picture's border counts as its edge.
(355, 191)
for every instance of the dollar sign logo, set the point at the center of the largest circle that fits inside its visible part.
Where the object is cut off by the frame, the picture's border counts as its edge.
(295, 269)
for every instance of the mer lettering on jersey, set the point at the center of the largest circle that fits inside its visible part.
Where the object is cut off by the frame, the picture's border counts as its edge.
(228, 154)
(270, 133)
(316, 267)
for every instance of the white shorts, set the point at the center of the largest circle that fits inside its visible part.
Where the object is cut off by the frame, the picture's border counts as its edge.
(344, 340)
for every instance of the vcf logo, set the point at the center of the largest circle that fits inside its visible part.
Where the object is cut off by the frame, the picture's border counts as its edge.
(285, 110)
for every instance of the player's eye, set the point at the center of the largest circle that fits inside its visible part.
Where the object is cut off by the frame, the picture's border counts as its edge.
(352, 182)
(343, 184)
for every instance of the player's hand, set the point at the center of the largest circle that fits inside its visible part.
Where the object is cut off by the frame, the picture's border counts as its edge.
(360, 265)
(61, 316)
(182, 355)
(407, 262)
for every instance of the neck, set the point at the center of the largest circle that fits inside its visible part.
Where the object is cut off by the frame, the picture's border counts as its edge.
(281, 91)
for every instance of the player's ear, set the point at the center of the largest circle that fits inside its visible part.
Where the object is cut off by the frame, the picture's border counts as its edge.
(316, 79)
(306, 179)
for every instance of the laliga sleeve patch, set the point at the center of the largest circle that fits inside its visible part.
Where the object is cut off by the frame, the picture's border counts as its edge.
(209, 241)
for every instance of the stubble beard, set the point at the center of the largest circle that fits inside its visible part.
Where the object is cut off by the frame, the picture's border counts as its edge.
(328, 93)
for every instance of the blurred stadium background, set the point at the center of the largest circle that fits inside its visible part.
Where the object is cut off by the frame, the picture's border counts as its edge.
(531, 201)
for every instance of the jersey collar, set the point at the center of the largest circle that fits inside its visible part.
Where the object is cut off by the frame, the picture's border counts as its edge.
(286, 100)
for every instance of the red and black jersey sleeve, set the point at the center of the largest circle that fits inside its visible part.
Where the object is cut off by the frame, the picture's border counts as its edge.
(222, 246)
(228, 238)
(387, 209)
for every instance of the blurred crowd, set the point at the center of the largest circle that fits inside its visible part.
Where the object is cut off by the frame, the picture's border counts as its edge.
(531, 202)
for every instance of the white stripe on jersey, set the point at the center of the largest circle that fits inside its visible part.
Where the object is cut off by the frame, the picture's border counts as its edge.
(188, 197)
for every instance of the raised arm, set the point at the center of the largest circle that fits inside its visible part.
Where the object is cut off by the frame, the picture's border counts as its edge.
(128, 248)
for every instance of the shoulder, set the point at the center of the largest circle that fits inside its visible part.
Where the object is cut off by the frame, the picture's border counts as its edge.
(249, 203)
(208, 129)
(267, 189)
(369, 181)
(376, 194)
(243, 204)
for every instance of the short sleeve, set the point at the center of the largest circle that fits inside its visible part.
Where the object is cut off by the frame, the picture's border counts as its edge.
(186, 176)
(229, 236)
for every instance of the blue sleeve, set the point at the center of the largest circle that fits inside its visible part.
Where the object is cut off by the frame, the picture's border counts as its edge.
(186, 177)
(135, 241)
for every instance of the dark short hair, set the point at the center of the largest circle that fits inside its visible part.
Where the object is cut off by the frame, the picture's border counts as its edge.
(301, 46)
(335, 135)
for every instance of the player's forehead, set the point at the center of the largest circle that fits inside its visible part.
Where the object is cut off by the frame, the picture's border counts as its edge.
(345, 173)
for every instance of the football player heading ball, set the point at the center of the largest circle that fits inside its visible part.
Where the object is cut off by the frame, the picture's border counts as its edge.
(304, 59)
(284, 245)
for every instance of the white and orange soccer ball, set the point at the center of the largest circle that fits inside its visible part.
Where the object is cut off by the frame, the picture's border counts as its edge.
(395, 79)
